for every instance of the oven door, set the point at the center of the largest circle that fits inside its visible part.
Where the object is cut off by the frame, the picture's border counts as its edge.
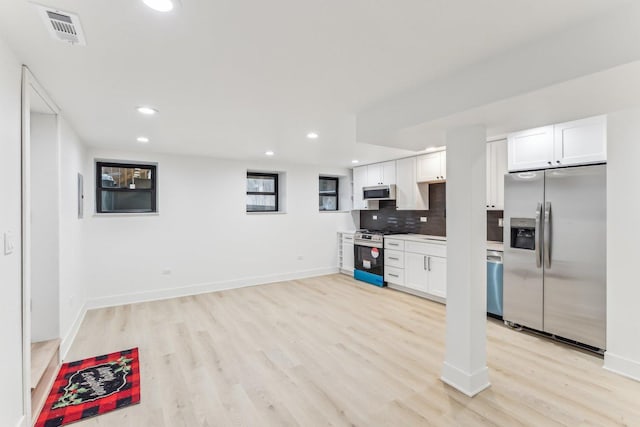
(369, 264)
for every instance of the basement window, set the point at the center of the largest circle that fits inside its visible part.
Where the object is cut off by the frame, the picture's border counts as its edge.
(125, 187)
(328, 195)
(262, 192)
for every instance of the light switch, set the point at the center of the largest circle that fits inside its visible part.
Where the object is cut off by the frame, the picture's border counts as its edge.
(9, 243)
(375, 217)
(500, 222)
(423, 219)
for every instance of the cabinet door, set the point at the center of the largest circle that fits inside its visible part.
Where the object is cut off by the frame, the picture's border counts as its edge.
(437, 276)
(388, 172)
(374, 174)
(499, 159)
(496, 168)
(347, 254)
(359, 181)
(531, 149)
(491, 179)
(581, 141)
(406, 185)
(428, 167)
(415, 271)
(443, 165)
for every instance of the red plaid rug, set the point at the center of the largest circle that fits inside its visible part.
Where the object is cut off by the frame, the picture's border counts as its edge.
(91, 387)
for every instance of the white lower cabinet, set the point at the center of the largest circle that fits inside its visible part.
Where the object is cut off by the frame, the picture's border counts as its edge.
(416, 271)
(345, 249)
(417, 266)
(437, 276)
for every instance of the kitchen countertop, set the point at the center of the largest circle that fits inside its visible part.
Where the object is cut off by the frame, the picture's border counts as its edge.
(425, 238)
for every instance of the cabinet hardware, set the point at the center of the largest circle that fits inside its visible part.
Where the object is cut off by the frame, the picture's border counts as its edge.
(549, 162)
(393, 275)
(429, 263)
(424, 262)
(558, 161)
(397, 259)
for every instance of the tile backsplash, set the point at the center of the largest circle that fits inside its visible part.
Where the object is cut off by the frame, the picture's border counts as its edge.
(494, 231)
(390, 219)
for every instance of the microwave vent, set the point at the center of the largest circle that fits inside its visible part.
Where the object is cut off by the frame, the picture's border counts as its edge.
(62, 26)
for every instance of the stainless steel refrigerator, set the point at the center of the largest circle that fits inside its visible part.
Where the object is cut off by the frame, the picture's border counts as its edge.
(555, 252)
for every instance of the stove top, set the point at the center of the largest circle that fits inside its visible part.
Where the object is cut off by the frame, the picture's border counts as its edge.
(378, 232)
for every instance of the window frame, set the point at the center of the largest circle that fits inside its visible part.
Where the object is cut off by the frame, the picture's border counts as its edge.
(275, 193)
(129, 165)
(336, 195)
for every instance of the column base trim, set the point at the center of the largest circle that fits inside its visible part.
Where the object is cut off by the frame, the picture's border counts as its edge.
(622, 366)
(468, 384)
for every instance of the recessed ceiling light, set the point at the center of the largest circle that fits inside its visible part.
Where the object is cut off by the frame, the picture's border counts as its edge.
(142, 139)
(147, 111)
(355, 161)
(312, 135)
(160, 5)
(269, 153)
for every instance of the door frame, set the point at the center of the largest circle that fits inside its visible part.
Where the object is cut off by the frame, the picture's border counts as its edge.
(29, 84)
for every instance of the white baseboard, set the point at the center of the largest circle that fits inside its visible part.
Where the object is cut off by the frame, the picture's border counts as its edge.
(469, 384)
(160, 294)
(68, 339)
(22, 422)
(622, 366)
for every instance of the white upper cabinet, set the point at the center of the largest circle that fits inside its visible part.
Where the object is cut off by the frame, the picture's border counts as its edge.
(432, 167)
(496, 168)
(565, 144)
(581, 141)
(360, 180)
(381, 173)
(531, 149)
(409, 194)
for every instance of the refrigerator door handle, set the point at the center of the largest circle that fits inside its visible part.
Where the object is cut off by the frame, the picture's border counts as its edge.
(547, 235)
(537, 234)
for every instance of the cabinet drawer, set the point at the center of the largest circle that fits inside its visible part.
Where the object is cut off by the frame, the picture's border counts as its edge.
(347, 238)
(394, 275)
(433, 249)
(393, 258)
(396, 244)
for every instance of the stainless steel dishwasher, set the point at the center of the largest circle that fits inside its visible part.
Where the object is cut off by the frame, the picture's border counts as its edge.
(494, 283)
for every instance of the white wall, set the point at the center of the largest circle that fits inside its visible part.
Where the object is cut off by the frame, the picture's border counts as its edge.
(44, 228)
(623, 235)
(11, 405)
(73, 283)
(203, 234)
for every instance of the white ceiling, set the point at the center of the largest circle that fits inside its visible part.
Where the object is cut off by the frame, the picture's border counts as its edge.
(235, 78)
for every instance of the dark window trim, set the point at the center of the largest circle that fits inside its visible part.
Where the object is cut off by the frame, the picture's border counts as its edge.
(100, 188)
(265, 193)
(332, 193)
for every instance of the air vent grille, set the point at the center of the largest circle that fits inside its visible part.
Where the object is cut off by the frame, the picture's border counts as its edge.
(63, 26)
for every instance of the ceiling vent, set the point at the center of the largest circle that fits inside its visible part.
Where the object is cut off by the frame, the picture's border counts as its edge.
(63, 26)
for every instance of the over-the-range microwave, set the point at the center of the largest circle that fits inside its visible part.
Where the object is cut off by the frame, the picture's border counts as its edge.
(379, 192)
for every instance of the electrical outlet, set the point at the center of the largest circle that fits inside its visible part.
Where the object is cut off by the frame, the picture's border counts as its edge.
(423, 219)
(9, 243)
(300, 257)
(166, 271)
(375, 217)
(500, 222)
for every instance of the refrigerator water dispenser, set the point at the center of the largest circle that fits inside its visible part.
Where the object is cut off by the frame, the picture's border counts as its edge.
(523, 233)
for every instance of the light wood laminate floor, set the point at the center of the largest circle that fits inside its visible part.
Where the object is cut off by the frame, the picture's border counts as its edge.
(330, 351)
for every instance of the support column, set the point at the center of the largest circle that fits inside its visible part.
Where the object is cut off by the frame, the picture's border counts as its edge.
(465, 365)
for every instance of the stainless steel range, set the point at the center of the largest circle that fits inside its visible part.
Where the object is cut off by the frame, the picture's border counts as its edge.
(368, 247)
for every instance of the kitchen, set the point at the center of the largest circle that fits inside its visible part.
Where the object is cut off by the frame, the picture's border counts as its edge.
(402, 243)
